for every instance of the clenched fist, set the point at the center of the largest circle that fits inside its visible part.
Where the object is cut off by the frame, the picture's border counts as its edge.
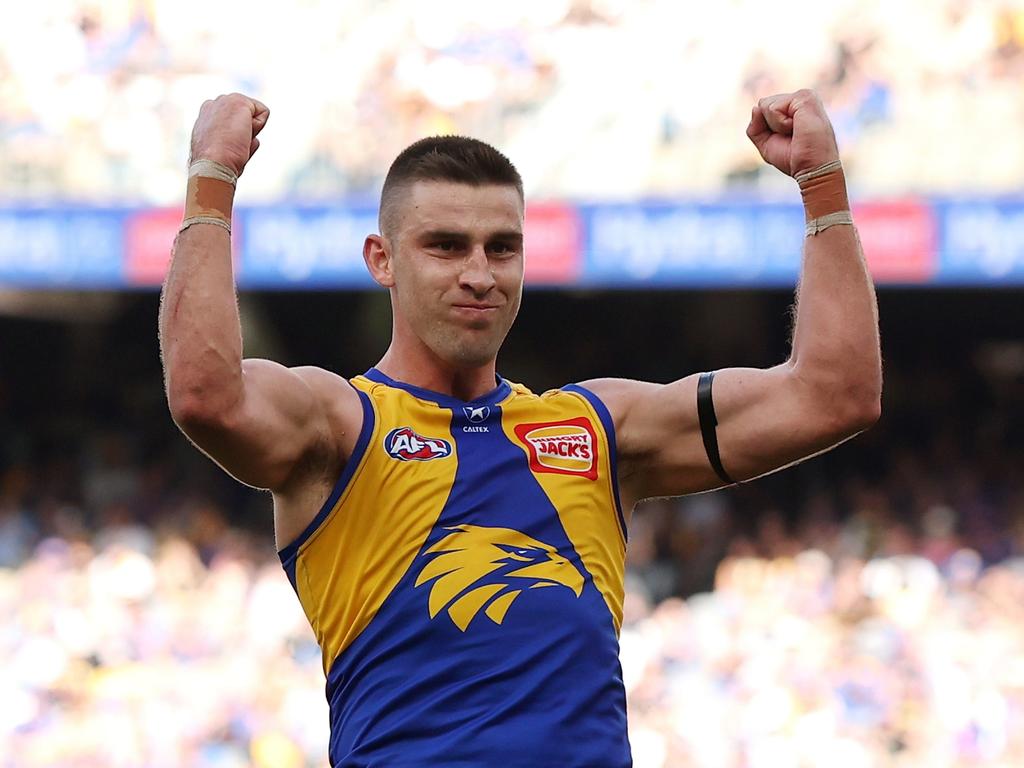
(793, 132)
(226, 130)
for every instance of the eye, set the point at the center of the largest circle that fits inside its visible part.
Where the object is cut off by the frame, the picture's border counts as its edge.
(502, 249)
(445, 245)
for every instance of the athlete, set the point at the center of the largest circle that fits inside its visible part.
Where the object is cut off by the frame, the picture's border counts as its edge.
(457, 541)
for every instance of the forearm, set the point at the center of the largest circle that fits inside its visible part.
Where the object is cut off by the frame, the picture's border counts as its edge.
(200, 332)
(835, 339)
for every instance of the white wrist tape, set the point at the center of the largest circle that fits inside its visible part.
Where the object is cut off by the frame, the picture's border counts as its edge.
(204, 220)
(821, 170)
(211, 169)
(820, 224)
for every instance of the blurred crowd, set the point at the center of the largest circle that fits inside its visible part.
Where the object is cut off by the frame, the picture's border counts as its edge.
(805, 660)
(879, 626)
(863, 609)
(589, 97)
(129, 650)
(857, 643)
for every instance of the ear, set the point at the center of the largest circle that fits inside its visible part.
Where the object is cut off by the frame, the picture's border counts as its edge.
(377, 255)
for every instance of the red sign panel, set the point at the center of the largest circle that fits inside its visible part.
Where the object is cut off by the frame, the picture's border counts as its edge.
(552, 236)
(899, 239)
(149, 237)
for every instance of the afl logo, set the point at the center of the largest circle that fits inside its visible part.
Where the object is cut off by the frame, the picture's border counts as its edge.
(405, 445)
(561, 447)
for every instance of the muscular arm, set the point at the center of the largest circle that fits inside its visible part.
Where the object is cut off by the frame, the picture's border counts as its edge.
(258, 419)
(262, 422)
(826, 392)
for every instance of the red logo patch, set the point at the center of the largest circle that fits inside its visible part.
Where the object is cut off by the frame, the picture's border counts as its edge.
(561, 447)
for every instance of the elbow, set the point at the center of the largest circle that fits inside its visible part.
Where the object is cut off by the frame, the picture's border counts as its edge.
(192, 413)
(847, 404)
(855, 408)
(202, 383)
(189, 411)
(195, 406)
(201, 422)
(866, 413)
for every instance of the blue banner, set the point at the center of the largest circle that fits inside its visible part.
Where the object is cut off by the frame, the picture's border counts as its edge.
(664, 244)
(691, 244)
(63, 248)
(304, 247)
(981, 242)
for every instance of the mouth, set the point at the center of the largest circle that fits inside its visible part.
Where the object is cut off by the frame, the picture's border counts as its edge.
(475, 310)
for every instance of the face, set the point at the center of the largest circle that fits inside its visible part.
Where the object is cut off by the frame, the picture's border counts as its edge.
(453, 259)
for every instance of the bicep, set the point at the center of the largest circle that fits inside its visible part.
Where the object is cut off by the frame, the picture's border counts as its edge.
(279, 422)
(767, 419)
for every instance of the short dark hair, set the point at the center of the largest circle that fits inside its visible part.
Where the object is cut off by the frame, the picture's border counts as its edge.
(446, 158)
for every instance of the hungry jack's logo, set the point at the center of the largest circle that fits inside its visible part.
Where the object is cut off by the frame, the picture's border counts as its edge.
(561, 447)
(406, 445)
(509, 561)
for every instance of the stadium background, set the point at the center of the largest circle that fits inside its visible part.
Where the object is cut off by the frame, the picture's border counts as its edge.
(862, 609)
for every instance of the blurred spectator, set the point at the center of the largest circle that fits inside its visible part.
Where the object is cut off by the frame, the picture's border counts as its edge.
(97, 99)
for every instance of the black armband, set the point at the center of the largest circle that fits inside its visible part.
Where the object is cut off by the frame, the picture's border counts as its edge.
(708, 423)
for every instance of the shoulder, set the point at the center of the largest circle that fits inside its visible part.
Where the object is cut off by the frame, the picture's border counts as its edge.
(340, 417)
(618, 395)
(614, 396)
(318, 377)
(339, 401)
(326, 384)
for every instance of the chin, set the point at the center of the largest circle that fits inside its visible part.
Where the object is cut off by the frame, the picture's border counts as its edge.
(466, 348)
(468, 355)
(472, 358)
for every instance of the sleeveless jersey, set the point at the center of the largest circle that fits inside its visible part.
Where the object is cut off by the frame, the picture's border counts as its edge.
(465, 580)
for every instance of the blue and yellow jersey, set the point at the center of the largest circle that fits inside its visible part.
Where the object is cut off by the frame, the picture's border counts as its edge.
(465, 581)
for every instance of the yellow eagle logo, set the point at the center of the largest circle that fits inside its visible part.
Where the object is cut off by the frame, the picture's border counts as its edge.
(472, 552)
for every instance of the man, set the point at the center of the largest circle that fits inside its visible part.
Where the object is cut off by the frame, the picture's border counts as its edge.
(456, 541)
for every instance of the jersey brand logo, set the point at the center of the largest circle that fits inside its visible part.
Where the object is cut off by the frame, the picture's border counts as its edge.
(405, 445)
(477, 568)
(561, 447)
(476, 414)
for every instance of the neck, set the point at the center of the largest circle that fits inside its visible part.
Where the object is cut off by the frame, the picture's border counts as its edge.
(422, 368)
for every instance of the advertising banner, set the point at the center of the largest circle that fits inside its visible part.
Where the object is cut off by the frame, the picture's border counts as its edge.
(304, 247)
(62, 248)
(981, 242)
(686, 244)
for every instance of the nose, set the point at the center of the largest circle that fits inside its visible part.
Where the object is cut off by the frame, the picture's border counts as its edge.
(476, 272)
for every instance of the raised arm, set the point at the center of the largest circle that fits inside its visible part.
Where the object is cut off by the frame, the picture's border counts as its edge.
(827, 391)
(267, 425)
